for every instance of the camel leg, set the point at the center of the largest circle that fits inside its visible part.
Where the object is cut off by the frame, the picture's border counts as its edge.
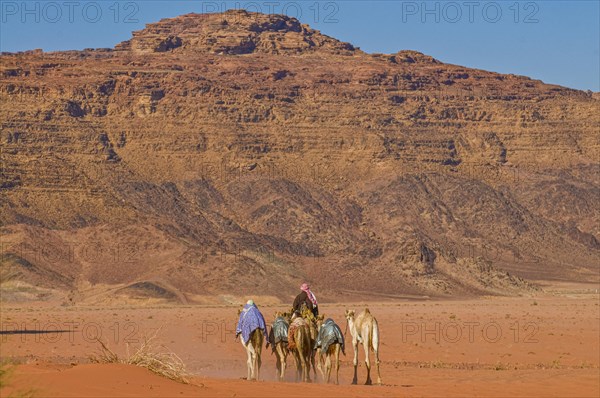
(328, 368)
(377, 365)
(321, 363)
(254, 366)
(254, 363)
(298, 366)
(375, 345)
(312, 360)
(249, 363)
(278, 365)
(281, 359)
(302, 368)
(257, 364)
(368, 364)
(283, 366)
(355, 362)
(337, 364)
(305, 361)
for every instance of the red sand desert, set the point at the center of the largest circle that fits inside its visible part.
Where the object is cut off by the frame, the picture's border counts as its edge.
(527, 346)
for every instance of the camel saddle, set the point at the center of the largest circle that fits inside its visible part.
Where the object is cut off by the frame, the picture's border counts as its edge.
(279, 332)
(329, 333)
(296, 323)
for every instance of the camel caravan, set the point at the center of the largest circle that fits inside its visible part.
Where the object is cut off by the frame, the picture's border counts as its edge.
(312, 341)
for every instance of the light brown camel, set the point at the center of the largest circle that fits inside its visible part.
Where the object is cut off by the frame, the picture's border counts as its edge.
(280, 348)
(300, 347)
(364, 330)
(325, 358)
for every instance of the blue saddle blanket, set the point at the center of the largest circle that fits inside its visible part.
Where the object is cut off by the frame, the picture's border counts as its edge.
(329, 333)
(279, 332)
(250, 320)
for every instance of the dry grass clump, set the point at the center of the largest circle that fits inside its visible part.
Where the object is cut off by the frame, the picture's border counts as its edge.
(150, 355)
(6, 372)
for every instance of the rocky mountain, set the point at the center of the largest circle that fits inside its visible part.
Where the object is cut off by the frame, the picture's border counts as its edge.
(214, 156)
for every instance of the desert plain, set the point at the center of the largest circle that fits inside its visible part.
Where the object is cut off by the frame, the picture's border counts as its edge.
(540, 345)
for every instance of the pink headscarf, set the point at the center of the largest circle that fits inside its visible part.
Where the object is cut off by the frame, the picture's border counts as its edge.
(311, 296)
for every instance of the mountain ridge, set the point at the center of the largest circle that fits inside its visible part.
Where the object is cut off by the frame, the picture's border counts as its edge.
(207, 169)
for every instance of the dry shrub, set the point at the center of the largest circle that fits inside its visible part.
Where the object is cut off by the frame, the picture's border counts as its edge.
(150, 355)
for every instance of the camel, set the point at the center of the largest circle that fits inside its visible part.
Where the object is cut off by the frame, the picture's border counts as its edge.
(253, 349)
(325, 358)
(280, 346)
(312, 325)
(300, 346)
(364, 330)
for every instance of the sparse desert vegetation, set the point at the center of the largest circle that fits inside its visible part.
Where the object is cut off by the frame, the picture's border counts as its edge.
(148, 354)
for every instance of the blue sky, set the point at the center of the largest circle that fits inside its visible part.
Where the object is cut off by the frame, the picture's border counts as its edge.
(555, 41)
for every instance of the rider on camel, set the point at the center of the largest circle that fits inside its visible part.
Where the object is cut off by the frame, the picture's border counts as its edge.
(307, 298)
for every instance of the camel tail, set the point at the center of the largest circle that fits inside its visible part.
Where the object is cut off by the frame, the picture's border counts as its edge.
(375, 336)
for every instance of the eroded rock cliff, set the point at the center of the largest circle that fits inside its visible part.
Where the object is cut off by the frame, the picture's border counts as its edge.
(240, 153)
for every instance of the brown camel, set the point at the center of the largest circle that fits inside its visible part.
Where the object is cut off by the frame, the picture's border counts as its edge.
(312, 325)
(280, 346)
(300, 347)
(325, 358)
(364, 330)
